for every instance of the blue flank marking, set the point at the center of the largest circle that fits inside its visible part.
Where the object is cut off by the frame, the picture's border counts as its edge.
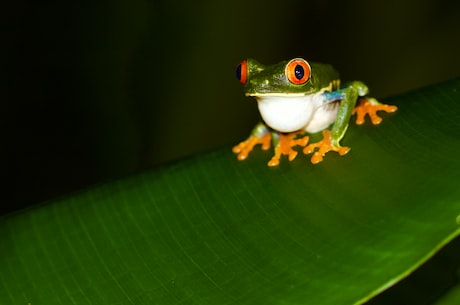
(334, 95)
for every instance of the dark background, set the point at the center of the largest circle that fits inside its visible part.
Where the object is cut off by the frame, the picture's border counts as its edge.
(93, 91)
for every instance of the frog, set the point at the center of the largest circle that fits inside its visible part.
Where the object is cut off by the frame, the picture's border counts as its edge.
(296, 99)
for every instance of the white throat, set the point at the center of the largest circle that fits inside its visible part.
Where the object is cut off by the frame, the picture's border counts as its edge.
(286, 113)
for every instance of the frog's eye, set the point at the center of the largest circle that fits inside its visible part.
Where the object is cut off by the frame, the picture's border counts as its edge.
(242, 72)
(298, 71)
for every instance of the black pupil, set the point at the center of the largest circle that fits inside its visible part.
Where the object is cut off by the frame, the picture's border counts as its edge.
(238, 72)
(299, 72)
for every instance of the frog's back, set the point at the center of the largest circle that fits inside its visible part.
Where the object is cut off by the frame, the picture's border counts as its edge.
(324, 76)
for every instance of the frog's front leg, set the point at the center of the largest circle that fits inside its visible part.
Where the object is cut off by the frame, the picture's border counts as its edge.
(259, 135)
(284, 143)
(331, 138)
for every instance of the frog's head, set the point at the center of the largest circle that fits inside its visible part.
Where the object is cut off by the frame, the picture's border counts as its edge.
(291, 77)
(284, 92)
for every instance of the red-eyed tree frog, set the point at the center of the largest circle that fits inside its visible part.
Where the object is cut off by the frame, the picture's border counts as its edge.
(296, 97)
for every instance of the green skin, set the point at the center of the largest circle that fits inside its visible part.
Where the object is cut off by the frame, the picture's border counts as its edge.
(324, 81)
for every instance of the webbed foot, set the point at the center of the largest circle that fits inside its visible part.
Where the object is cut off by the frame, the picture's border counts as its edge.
(370, 106)
(244, 148)
(324, 146)
(284, 146)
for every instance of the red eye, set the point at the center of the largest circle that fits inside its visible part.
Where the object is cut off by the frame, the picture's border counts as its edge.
(298, 71)
(242, 72)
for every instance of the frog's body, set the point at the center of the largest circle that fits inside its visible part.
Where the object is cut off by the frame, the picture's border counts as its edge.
(294, 98)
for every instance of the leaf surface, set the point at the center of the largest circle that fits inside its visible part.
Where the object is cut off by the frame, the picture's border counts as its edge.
(214, 230)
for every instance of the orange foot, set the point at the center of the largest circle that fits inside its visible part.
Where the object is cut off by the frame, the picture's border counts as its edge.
(284, 147)
(324, 146)
(370, 106)
(245, 147)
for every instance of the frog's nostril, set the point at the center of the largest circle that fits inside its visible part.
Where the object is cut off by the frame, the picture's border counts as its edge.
(264, 84)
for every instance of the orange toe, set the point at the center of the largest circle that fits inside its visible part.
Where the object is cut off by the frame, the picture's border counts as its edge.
(285, 147)
(370, 106)
(322, 147)
(244, 148)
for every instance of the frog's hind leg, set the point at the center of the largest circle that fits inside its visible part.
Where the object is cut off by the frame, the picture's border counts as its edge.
(284, 143)
(370, 106)
(259, 135)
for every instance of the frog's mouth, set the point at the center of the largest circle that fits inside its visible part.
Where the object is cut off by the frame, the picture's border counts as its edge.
(258, 94)
(286, 112)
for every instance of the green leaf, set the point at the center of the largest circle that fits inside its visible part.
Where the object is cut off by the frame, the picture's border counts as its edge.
(214, 230)
(451, 298)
